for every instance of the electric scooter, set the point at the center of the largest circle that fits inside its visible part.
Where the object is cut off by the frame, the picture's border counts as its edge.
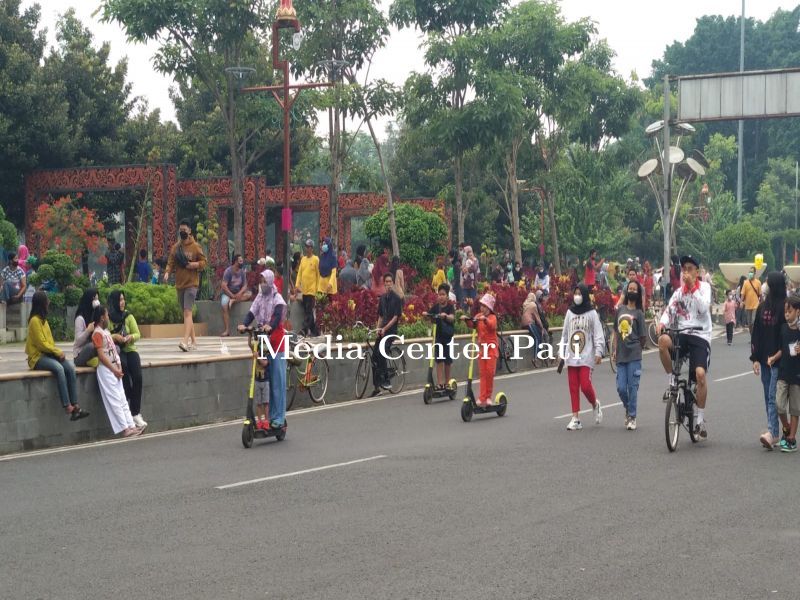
(431, 391)
(249, 429)
(470, 405)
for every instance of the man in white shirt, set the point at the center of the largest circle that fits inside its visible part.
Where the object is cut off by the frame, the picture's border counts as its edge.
(690, 307)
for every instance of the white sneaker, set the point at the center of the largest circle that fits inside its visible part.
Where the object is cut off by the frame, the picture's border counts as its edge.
(574, 425)
(632, 424)
(598, 412)
(139, 421)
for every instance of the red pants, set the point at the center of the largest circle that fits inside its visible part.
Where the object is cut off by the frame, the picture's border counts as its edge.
(486, 368)
(580, 380)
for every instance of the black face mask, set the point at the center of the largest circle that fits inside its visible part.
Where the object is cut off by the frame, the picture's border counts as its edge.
(184, 235)
(633, 297)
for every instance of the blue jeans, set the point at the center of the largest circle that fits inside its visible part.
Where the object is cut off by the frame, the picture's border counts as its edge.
(65, 378)
(277, 388)
(536, 334)
(769, 379)
(628, 375)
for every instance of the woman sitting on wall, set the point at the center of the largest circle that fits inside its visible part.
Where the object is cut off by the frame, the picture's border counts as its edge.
(125, 333)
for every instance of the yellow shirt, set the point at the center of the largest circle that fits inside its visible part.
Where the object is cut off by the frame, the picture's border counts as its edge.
(751, 293)
(438, 280)
(40, 341)
(329, 280)
(308, 279)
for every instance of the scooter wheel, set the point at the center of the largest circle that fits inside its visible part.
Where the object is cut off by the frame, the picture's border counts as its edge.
(503, 402)
(281, 435)
(427, 394)
(466, 411)
(452, 388)
(247, 436)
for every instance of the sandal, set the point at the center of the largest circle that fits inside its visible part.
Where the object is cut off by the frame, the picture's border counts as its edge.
(77, 413)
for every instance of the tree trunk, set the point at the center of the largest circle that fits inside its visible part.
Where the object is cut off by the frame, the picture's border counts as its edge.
(460, 216)
(335, 144)
(388, 189)
(551, 209)
(514, 192)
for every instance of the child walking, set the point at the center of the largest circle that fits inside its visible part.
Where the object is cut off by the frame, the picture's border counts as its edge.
(729, 314)
(486, 324)
(445, 315)
(582, 342)
(628, 343)
(787, 395)
(109, 377)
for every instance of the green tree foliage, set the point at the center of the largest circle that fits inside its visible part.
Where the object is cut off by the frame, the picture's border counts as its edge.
(741, 241)
(421, 235)
(8, 233)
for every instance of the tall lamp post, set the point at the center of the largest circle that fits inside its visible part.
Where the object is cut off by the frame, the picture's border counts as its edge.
(285, 18)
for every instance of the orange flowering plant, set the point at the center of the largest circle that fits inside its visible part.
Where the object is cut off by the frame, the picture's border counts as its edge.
(67, 228)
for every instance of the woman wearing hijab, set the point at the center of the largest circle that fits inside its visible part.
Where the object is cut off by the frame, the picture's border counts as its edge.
(327, 268)
(125, 333)
(22, 258)
(582, 345)
(765, 342)
(363, 278)
(269, 311)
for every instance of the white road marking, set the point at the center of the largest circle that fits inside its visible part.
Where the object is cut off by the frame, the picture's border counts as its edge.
(588, 410)
(733, 376)
(303, 472)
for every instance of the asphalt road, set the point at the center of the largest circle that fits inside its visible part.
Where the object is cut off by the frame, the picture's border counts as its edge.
(512, 507)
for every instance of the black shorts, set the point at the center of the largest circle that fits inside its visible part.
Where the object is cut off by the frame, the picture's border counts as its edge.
(442, 348)
(698, 350)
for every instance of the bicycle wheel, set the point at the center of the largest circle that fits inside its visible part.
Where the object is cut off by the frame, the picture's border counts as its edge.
(672, 423)
(506, 352)
(652, 334)
(318, 380)
(397, 370)
(362, 374)
(291, 386)
(688, 410)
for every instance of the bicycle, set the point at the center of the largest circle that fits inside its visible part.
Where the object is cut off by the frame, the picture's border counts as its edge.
(395, 365)
(652, 328)
(612, 360)
(541, 363)
(505, 352)
(309, 374)
(680, 395)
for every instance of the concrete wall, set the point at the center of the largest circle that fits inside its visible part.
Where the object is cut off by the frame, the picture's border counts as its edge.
(175, 395)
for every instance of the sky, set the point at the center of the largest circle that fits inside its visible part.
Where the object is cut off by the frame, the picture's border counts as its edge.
(631, 27)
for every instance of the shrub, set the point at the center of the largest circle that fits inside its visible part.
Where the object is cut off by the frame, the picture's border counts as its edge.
(72, 295)
(150, 304)
(58, 327)
(43, 274)
(57, 302)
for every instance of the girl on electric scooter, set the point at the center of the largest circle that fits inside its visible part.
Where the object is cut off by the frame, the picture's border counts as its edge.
(486, 324)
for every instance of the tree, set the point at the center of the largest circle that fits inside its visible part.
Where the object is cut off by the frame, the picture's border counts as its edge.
(33, 112)
(8, 233)
(742, 241)
(199, 40)
(437, 99)
(341, 38)
(775, 201)
(420, 234)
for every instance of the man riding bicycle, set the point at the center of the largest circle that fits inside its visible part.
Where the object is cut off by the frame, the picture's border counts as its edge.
(690, 306)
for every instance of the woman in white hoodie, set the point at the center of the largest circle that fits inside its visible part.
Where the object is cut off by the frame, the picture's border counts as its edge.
(582, 345)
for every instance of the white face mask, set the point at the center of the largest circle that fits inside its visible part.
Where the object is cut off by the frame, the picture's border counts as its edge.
(95, 303)
(578, 299)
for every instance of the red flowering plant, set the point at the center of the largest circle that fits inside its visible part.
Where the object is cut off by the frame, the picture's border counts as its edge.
(340, 312)
(68, 228)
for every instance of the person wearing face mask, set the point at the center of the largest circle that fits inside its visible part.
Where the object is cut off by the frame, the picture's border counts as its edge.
(14, 281)
(109, 377)
(751, 296)
(327, 268)
(268, 312)
(630, 337)
(84, 353)
(234, 289)
(542, 281)
(765, 341)
(729, 315)
(582, 345)
(125, 333)
(307, 285)
(187, 260)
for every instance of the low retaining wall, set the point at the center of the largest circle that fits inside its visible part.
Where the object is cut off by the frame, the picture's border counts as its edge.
(175, 395)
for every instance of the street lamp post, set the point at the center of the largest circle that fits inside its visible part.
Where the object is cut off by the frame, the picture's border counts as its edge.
(286, 18)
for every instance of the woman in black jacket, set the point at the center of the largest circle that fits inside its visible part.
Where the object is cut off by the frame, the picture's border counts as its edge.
(764, 342)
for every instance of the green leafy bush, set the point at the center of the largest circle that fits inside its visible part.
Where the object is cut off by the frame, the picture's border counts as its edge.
(150, 304)
(42, 274)
(421, 235)
(63, 267)
(741, 241)
(58, 327)
(57, 302)
(8, 233)
(72, 295)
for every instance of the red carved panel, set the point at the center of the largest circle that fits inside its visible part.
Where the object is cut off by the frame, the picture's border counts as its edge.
(250, 219)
